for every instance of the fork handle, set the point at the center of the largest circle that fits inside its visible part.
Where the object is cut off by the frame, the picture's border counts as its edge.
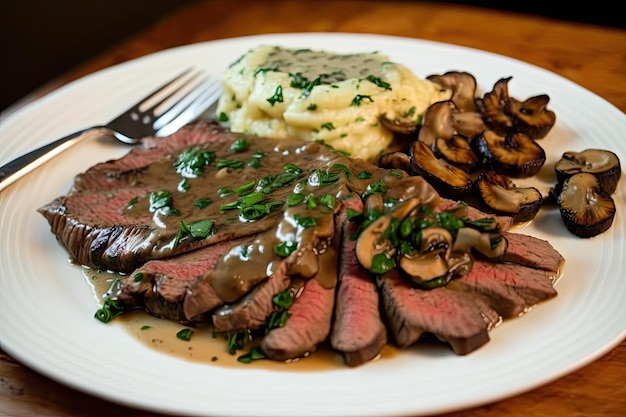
(20, 166)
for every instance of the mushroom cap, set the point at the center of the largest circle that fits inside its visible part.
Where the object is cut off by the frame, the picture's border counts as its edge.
(491, 245)
(492, 107)
(586, 209)
(515, 154)
(446, 178)
(437, 122)
(430, 261)
(371, 243)
(395, 160)
(500, 195)
(603, 164)
(531, 115)
(458, 151)
(463, 86)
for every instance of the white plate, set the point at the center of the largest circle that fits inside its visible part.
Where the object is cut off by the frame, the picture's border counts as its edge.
(46, 308)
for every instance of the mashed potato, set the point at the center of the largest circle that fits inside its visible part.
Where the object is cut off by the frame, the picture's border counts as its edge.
(317, 95)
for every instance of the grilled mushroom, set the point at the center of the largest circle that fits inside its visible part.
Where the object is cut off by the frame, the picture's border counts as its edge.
(446, 178)
(428, 266)
(502, 196)
(395, 160)
(531, 116)
(458, 151)
(414, 186)
(514, 154)
(443, 120)
(491, 245)
(401, 126)
(504, 113)
(373, 241)
(492, 107)
(586, 209)
(603, 164)
(463, 86)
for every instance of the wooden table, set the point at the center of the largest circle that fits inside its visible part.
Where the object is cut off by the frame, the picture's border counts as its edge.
(592, 56)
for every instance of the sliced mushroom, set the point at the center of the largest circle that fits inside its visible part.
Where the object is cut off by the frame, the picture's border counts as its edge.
(502, 196)
(444, 120)
(395, 160)
(468, 124)
(586, 209)
(458, 151)
(463, 86)
(531, 115)
(514, 154)
(491, 245)
(374, 202)
(493, 104)
(503, 113)
(415, 186)
(603, 164)
(437, 122)
(444, 177)
(402, 126)
(428, 266)
(372, 242)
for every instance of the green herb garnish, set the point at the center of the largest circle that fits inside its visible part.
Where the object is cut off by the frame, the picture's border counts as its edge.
(185, 334)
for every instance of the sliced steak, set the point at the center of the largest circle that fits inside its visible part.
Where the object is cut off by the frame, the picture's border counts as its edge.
(101, 227)
(308, 325)
(459, 318)
(510, 289)
(533, 252)
(129, 170)
(358, 330)
(126, 212)
(236, 273)
(160, 286)
(251, 311)
(504, 222)
(109, 221)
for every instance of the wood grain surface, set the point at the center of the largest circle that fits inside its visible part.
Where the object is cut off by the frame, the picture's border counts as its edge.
(591, 56)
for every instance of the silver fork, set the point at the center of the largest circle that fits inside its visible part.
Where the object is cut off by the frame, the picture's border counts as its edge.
(187, 95)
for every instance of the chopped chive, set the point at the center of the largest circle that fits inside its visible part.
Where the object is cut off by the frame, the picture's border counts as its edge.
(294, 199)
(202, 203)
(185, 334)
(241, 144)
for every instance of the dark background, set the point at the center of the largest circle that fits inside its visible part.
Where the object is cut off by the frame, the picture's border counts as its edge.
(41, 39)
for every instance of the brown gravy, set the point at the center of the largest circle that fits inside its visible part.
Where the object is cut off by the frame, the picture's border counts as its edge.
(204, 347)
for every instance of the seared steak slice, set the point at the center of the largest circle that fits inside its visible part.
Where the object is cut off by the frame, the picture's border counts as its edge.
(510, 289)
(533, 252)
(119, 229)
(160, 286)
(95, 223)
(358, 330)
(100, 236)
(504, 222)
(128, 171)
(251, 311)
(311, 313)
(461, 319)
(307, 327)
